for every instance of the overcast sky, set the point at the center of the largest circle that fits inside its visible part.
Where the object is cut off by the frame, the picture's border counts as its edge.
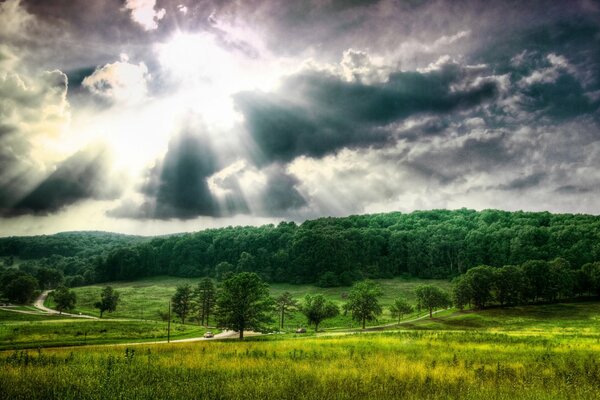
(152, 116)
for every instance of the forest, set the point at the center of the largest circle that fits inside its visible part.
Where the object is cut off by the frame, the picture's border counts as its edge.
(325, 251)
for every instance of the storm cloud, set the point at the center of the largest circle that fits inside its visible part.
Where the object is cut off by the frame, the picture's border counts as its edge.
(300, 109)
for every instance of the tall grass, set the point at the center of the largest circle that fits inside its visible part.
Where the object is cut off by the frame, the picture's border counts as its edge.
(405, 364)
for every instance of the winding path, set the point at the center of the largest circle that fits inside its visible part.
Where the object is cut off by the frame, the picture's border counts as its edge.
(39, 304)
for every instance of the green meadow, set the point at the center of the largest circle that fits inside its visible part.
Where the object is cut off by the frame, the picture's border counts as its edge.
(32, 331)
(144, 299)
(446, 358)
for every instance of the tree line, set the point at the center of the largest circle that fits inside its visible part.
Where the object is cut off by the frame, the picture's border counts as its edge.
(531, 282)
(325, 252)
(339, 251)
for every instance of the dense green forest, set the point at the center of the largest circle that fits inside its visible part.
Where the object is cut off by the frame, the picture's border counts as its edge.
(325, 251)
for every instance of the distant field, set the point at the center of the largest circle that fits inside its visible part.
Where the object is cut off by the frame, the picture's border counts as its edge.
(144, 299)
(521, 353)
(30, 331)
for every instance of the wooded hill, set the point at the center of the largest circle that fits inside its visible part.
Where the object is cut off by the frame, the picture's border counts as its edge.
(326, 251)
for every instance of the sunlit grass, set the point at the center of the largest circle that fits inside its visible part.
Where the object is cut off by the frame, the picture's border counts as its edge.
(406, 364)
(143, 299)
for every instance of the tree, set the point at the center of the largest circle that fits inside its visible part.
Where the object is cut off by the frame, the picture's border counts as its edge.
(21, 289)
(363, 302)
(181, 302)
(509, 283)
(400, 308)
(431, 297)
(109, 299)
(64, 298)
(285, 304)
(481, 279)
(205, 296)
(317, 309)
(461, 292)
(244, 303)
(49, 277)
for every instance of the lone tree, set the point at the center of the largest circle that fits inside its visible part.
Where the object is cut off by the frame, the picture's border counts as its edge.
(108, 300)
(285, 304)
(363, 302)
(317, 308)
(400, 308)
(431, 297)
(205, 296)
(21, 289)
(244, 303)
(64, 298)
(182, 301)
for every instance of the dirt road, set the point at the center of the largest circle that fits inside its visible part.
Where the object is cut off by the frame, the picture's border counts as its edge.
(39, 304)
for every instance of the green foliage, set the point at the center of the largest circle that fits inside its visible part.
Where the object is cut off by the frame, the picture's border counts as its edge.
(64, 299)
(181, 302)
(317, 308)
(431, 297)
(400, 308)
(363, 302)
(205, 296)
(533, 281)
(330, 252)
(109, 299)
(243, 303)
(285, 305)
(19, 288)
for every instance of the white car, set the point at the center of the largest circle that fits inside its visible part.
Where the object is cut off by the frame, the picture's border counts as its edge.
(209, 335)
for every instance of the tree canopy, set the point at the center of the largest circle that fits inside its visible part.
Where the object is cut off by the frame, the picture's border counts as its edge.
(64, 299)
(243, 303)
(363, 301)
(109, 299)
(431, 297)
(316, 309)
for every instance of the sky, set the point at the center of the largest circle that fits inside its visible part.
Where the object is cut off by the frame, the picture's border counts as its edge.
(160, 116)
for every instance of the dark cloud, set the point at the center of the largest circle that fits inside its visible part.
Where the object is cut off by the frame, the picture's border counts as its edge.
(80, 177)
(281, 194)
(177, 186)
(563, 99)
(182, 189)
(328, 114)
(524, 182)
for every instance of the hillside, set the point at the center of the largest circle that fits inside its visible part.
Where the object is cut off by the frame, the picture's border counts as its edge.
(327, 251)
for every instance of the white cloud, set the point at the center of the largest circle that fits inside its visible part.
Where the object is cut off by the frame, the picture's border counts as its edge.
(144, 13)
(120, 81)
(14, 19)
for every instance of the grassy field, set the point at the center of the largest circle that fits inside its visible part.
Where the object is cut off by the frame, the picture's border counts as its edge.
(31, 331)
(458, 356)
(143, 299)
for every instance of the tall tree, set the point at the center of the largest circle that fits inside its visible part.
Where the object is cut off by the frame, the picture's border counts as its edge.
(431, 297)
(481, 280)
(363, 302)
(21, 289)
(244, 303)
(317, 309)
(285, 305)
(181, 302)
(64, 299)
(205, 296)
(400, 308)
(109, 299)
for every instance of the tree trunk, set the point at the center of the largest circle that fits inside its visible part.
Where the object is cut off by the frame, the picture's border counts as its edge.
(101, 312)
(242, 332)
(282, 318)
(316, 327)
(364, 321)
(430, 312)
